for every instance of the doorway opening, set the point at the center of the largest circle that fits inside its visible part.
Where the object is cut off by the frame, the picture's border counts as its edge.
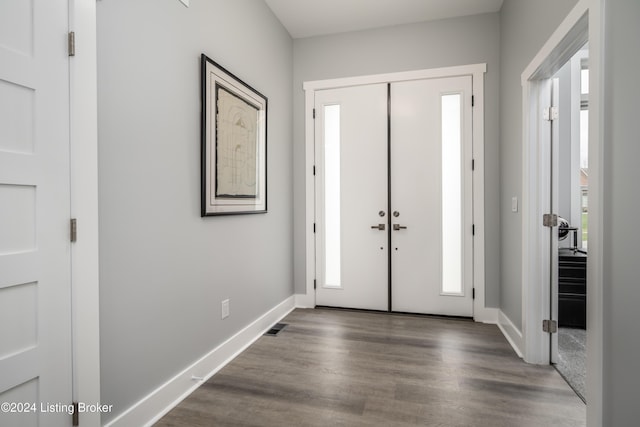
(582, 25)
(570, 189)
(383, 225)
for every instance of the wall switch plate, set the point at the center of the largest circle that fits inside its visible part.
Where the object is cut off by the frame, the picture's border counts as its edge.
(514, 204)
(225, 308)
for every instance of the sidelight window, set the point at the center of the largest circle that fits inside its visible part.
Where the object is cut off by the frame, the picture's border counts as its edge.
(452, 194)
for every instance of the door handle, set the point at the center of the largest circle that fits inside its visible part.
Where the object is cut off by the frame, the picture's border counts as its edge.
(380, 227)
(397, 227)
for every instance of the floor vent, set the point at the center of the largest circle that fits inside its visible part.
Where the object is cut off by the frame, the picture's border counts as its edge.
(275, 329)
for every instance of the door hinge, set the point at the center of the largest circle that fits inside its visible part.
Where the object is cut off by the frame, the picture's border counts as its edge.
(314, 283)
(550, 114)
(314, 113)
(473, 101)
(314, 170)
(473, 164)
(473, 229)
(473, 293)
(72, 43)
(314, 227)
(75, 417)
(550, 326)
(73, 230)
(550, 220)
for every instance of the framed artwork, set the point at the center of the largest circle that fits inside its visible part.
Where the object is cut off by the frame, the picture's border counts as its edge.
(234, 144)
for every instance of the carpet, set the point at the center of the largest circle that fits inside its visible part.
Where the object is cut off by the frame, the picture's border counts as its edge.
(572, 358)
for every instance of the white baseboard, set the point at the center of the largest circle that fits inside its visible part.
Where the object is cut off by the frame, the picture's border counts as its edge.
(486, 315)
(155, 405)
(511, 333)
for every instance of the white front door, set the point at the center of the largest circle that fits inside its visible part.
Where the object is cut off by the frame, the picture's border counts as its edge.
(431, 196)
(394, 197)
(35, 288)
(351, 195)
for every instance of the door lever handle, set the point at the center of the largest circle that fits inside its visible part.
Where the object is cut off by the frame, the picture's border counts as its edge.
(380, 227)
(397, 227)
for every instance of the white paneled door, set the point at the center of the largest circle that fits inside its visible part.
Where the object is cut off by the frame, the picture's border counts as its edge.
(394, 196)
(35, 300)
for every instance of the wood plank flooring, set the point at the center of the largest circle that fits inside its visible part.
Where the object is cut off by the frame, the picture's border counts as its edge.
(349, 368)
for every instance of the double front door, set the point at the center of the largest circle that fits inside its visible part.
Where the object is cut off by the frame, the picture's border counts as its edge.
(394, 197)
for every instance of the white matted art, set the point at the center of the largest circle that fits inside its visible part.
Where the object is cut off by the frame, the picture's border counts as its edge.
(234, 144)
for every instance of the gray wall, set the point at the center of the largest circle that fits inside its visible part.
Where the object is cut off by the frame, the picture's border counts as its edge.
(460, 41)
(621, 205)
(525, 27)
(163, 269)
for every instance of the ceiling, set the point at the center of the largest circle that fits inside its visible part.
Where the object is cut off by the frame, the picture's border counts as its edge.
(307, 18)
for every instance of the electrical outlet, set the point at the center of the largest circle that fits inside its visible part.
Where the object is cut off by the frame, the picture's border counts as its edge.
(225, 308)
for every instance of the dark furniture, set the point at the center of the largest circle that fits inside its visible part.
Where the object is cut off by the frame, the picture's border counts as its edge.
(572, 289)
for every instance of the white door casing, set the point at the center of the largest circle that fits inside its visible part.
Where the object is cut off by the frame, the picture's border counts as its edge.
(553, 208)
(351, 180)
(584, 23)
(418, 197)
(481, 312)
(35, 288)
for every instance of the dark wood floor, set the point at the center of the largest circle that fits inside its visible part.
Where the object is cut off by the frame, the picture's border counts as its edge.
(348, 368)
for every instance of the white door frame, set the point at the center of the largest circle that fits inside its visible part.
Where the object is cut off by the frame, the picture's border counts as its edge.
(583, 23)
(481, 313)
(84, 207)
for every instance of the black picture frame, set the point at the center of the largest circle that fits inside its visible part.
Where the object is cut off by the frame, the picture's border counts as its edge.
(233, 144)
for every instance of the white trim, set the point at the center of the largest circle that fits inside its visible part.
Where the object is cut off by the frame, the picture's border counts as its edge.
(511, 333)
(431, 73)
(561, 46)
(84, 207)
(587, 16)
(595, 281)
(159, 402)
(488, 315)
(310, 212)
(303, 301)
(570, 35)
(535, 197)
(481, 313)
